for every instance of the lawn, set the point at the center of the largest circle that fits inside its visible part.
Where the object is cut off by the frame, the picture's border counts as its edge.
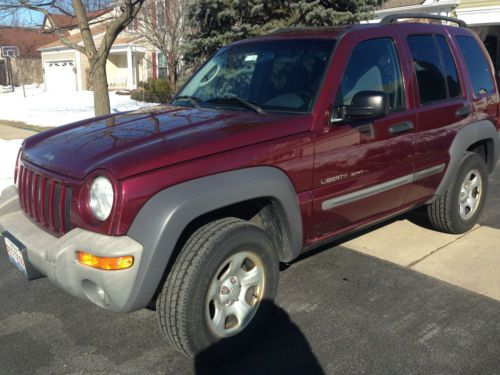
(54, 109)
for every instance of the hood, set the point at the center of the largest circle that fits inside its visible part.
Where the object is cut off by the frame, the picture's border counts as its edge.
(136, 142)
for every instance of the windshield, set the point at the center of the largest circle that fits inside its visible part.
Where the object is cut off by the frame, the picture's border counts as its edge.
(280, 75)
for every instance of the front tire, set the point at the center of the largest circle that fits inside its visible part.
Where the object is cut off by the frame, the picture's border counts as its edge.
(218, 293)
(458, 210)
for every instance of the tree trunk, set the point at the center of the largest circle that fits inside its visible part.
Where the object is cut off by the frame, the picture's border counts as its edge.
(100, 89)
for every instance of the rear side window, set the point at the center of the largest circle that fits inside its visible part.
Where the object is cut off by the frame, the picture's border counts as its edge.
(373, 66)
(477, 65)
(435, 68)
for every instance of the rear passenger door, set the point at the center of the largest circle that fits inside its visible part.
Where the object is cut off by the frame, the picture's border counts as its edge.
(442, 106)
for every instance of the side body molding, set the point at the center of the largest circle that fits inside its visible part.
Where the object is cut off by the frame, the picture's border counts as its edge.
(466, 137)
(163, 218)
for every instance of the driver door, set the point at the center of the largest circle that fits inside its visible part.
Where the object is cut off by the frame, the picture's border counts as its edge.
(362, 169)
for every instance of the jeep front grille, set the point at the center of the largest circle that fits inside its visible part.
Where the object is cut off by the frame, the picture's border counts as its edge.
(46, 200)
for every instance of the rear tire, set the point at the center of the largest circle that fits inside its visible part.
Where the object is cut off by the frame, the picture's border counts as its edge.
(219, 291)
(459, 208)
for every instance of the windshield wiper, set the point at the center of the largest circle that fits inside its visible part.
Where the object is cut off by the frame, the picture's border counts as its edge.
(191, 99)
(235, 100)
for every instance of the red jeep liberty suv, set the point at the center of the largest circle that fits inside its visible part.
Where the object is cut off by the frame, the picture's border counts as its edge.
(276, 145)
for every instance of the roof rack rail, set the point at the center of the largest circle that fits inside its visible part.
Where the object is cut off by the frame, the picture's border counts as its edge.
(392, 18)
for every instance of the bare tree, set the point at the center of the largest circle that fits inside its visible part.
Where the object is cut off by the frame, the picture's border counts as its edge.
(125, 12)
(163, 23)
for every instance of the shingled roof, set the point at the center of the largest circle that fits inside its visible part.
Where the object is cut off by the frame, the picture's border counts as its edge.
(27, 39)
(65, 21)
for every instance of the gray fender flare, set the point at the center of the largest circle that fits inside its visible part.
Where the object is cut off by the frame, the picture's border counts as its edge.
(466, 137)
(163, 218)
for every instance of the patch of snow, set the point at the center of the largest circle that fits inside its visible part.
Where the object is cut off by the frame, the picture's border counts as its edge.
(45, 108)
(8, 155)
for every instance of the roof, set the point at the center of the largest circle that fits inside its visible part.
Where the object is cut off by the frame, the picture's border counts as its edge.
(96, 31)
(29, 40)
(389, 4)
(65, 21)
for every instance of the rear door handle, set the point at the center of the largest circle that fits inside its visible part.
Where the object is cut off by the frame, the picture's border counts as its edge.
(401, 127)
(464, 111)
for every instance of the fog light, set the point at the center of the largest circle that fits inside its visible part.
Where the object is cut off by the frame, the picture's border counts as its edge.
(118, 263)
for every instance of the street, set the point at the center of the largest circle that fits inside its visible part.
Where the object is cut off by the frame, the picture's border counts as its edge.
(338, 311)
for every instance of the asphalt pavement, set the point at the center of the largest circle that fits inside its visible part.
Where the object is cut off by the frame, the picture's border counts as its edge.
(348, 308)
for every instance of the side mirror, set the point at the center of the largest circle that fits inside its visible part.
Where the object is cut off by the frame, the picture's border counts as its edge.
(365, 105)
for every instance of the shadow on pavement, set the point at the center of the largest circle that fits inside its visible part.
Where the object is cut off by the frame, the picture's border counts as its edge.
(281, 349)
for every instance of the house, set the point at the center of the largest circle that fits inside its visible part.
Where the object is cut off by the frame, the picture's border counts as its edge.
(130, 62)
(439, 7)
(484, 18)
(27, 68)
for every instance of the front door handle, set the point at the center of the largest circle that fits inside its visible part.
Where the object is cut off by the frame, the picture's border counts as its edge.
(401, 127)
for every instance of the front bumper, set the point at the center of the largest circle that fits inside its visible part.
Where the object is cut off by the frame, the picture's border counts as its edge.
(56, 257)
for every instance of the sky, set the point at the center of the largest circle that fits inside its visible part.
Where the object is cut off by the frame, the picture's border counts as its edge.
(25, 18)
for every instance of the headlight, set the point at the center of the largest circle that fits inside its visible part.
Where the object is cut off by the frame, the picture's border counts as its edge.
(101, 198)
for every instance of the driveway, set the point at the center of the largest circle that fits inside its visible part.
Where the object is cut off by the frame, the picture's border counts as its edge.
(399, 298)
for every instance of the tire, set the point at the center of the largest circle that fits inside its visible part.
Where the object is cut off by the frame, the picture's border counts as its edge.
(194, 292)
(459, 208)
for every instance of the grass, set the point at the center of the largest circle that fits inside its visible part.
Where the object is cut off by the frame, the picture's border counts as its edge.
(23, 125)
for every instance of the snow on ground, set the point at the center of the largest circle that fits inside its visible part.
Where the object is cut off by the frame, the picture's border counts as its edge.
(8, 155)
(45, 108)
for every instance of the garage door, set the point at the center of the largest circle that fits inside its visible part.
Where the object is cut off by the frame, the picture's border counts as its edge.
(59, 76)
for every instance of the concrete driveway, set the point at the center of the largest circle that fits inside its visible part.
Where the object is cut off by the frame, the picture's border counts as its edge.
(399, 298)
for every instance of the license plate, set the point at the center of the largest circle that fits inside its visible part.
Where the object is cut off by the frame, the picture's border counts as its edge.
(15, 254)
(18, 256)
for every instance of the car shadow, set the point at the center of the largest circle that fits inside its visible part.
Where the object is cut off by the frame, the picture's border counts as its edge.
(281, 348)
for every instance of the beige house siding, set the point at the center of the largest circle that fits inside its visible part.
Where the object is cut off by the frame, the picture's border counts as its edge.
(116, 70)
(84, 71)
(58, 56)
(478, 3)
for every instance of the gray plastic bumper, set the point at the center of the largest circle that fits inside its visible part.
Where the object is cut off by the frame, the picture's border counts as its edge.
(56, 257)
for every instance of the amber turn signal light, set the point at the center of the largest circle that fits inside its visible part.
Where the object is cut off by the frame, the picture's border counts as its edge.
(118, 263)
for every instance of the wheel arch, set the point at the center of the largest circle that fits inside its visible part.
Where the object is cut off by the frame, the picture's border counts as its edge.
(469, 138)
(262, 195)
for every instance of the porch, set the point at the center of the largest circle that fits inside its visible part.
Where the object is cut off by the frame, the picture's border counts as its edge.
(126, 67)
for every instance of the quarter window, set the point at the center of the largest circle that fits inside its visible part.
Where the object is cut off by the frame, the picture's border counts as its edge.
(477, 65)
(373, 66)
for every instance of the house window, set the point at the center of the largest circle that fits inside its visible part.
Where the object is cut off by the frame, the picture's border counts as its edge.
(160, 16)
(162, 66)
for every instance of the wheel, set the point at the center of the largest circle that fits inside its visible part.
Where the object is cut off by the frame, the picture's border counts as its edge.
(219, 291)
(458, 210)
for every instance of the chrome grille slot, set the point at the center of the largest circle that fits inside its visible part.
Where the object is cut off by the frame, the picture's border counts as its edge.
(46, 200)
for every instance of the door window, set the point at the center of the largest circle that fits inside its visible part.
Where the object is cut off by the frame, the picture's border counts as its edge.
(428, 68)
(477, 65)
(450, 68)
(373, 66)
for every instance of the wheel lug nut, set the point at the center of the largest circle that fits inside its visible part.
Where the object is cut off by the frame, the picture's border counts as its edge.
(224, 290)
(233, 280)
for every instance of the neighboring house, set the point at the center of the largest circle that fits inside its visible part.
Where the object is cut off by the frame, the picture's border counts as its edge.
(484, 18)
(130, 62)
(27, 68)
(440, 7)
